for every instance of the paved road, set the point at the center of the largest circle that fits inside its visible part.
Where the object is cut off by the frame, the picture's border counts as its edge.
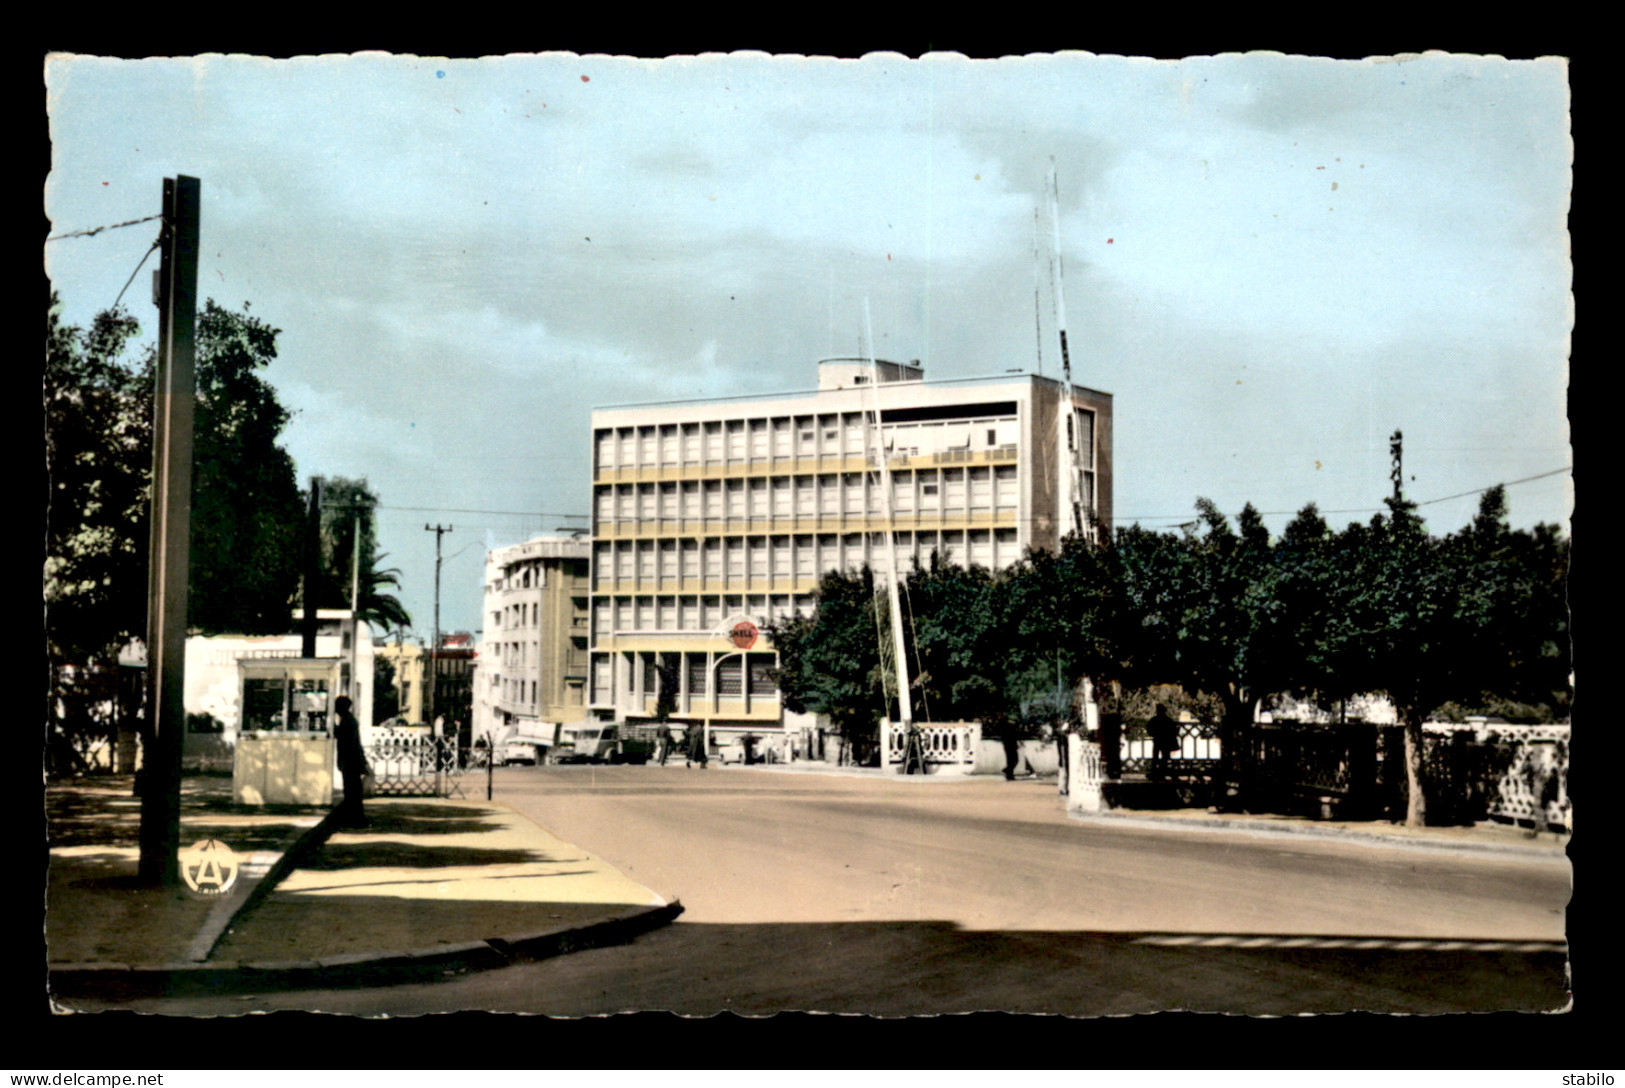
(811, 892)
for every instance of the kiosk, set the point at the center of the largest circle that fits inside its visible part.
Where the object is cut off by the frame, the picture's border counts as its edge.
(285, 750)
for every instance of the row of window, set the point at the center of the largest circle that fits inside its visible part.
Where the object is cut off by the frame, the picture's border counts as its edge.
(523, 614)
(684, 675)
(693, 612)
(970, 490)
(744, 441)
(671, 563)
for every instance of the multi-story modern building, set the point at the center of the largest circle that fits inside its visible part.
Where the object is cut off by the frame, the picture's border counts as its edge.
(711, 518)
(531, 672)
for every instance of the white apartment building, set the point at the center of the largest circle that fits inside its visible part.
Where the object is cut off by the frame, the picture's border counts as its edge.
(712, 518)
(530, 674)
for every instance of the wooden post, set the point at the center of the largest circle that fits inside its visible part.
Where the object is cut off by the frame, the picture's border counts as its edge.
(174, 399)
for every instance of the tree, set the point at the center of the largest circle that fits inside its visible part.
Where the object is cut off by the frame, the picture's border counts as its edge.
(98, 439)
(1212, 616)
(246, 506)
(1516, 611)
(952, 627)
(1061, 620)
(829, 662)
(98, 448)
(349, 541)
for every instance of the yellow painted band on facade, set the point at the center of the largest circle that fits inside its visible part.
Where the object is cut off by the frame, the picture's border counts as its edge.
(804, 526)
(799, 466)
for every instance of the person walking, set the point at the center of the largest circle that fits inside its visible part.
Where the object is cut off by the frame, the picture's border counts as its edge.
(1164, 733)
(352, 763)
(696, 748)
(666, 743)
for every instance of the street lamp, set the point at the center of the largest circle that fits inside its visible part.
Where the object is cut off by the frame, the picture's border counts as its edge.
(714, 697)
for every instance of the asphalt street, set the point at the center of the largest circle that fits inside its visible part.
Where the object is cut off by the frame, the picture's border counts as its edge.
(821, 893)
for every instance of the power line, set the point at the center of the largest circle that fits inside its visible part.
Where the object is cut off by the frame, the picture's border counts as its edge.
(1363, 510)
(505, 513)
(98, 230)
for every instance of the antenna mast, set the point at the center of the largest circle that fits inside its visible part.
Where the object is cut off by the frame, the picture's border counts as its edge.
(1038, 309)
(905, 707)
(1060, 274)
(1074, 482)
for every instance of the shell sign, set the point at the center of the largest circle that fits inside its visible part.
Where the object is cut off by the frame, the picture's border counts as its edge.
(744, 634)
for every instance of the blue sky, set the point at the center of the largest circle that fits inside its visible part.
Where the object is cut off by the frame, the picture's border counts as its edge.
(1271, 262)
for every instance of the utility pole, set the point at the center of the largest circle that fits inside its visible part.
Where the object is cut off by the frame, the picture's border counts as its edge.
(313, 561)
(175, 396)
(355, 613)
(434, 647)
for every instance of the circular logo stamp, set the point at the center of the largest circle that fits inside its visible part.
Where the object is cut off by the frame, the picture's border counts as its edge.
(209, 867)
(744, 634)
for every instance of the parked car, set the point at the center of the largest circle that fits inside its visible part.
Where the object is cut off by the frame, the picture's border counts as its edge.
(516, 752)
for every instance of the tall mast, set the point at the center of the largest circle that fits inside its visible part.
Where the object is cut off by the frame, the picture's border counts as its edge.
(1038, 309)
(1074, 482)
(1060, 276)
(905, 706)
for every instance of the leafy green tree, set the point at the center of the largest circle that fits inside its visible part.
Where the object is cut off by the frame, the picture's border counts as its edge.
(829, 662)
(1211, 614)
(952, 626)
(1063, 618)
(247, 512)
(98, 448)
(1516, 609)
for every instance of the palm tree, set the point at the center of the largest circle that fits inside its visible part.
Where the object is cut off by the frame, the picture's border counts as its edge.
(350, 546)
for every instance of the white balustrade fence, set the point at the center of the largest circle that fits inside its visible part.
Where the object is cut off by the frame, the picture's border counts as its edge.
(948, 747)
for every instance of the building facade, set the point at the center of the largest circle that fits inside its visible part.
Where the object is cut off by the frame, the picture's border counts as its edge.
(713, 518)
(531, 673)
(407, 659)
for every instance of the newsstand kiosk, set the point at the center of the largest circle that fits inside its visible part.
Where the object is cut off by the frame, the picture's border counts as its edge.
(285, 750)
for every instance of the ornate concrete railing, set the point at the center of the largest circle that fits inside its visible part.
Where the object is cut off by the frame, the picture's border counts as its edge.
(1534, 787)
(1198, 752)
(1086, 775)
(948, 747)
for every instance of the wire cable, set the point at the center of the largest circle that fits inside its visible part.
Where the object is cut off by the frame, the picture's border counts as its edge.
(98, 230)
(156, 243)
(1363, 510)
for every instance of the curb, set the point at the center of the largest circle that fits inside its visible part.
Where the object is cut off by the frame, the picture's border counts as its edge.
(218, 924)
(1265, 827)
(357, 969)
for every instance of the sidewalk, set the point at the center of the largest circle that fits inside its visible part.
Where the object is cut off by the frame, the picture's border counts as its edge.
(1486, 836)
(429, 886)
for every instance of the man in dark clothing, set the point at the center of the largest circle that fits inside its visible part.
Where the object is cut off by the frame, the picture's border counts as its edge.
(696, 747)
(1164, 733)
(1011, 740)
(667, 742)
(352, 762)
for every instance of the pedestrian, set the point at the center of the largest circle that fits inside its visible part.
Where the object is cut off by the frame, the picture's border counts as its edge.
(1012, 750)
(696, 749)
(666, 743)
(352, 763)
(1164, 733)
